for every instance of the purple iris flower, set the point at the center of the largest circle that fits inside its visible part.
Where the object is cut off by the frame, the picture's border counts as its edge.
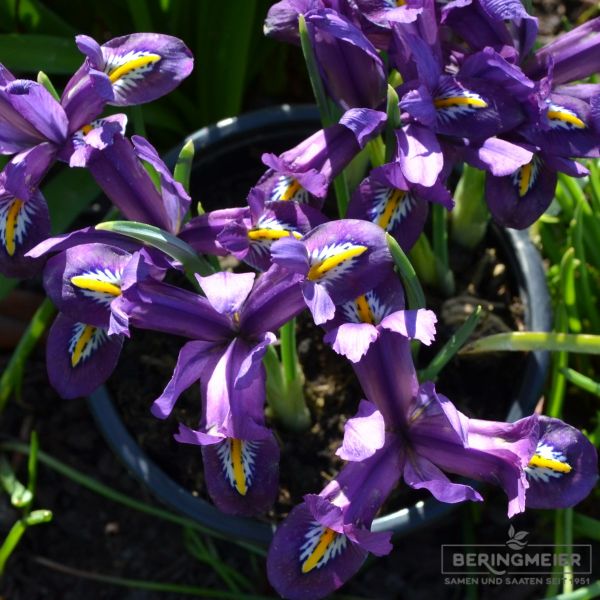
(573, 55)
(33, 126)
(361, 321)
(251, 240)
(503, 25)
(541, 463)
(230, 330)
(281, 21)
(520, 198)
(350, 67)
(376, 17)
(85, 340)
(325, 540)
(440, 436)
(119, 171)
(460, 105)
(314, 163)
(399, 207)
(137, 68)
(336, 261)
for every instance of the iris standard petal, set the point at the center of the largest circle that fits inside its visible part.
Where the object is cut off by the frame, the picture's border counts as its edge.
(190, 364)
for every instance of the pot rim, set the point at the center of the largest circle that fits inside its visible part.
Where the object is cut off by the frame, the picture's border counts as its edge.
(523, 259)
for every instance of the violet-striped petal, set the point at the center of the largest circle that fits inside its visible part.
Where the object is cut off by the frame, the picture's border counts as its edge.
(23, 224)
(242, 475)
(80, 357)
(141, 67)
(83, 281)
(564, 468)
(307, 560)
(324, 541)
(519, 199)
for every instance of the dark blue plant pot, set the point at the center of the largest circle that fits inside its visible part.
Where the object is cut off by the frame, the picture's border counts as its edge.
(217, 150)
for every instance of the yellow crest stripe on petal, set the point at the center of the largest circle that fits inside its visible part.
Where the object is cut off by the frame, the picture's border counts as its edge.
(95, 285)
(566, 117)
(327, 537)
(390, 206)
(364, 310)
(549, 463)
(271, 234)
(291, 190)
(132, 65)
(321, 268)
(238, 467)
(84, 339)
(11, 225)
(460, 101)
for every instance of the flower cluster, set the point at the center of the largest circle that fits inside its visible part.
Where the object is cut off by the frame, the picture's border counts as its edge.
(469, 90)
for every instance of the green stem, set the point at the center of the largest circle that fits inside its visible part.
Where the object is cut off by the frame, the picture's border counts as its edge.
(445, 277)
(470, 215)
(44, 80)
(342, 194)
(313, 73)
(451, 347)
(535, 340)
(183, 167)
(582, 381)
(339, 183)
(412, 286)
(422, 258)
(559, 536)
(289, 356)
(591, 311)
(393, 122)
(103, 490)
(10, 543)
(568, 533)
(285, 393)
(377, 151)
(36, 328)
